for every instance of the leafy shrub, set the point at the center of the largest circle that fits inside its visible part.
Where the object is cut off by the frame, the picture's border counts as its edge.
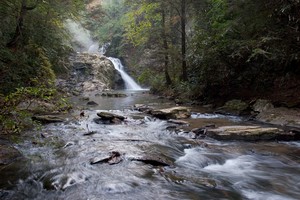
(15, 118)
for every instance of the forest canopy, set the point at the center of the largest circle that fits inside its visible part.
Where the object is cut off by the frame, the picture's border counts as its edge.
(206, 49)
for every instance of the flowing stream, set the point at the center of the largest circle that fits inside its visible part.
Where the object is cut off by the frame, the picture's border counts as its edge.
(57, 164)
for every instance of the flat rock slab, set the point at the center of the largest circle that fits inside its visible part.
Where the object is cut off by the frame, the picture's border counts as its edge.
(172, 113)
(110, 116)
(178, 122)
(48, 118)
(249, 133)
(112, 159)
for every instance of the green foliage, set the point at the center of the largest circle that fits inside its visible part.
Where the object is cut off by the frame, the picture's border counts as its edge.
(237, 49)
(40, 46)
(30, 67)
(141, 21)
(14, 117)
(106, 24)
(145, 77)
(157, 87)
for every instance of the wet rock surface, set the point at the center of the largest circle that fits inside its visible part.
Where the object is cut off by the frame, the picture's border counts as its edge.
(172, 113)
(250, 133)
(178, 122)
(281, 116)
(112, 158)
(143, 156)
(263, 111)
(89, 72)
(142, 108)
(235, 107)
(45, 119)
(154, 161)
(91, 103)
(109, 116)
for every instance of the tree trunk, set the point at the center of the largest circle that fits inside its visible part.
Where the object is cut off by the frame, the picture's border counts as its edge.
(13, 43)
(184, 76)
(166, 49)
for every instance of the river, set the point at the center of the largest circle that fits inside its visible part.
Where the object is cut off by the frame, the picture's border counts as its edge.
(58, 162)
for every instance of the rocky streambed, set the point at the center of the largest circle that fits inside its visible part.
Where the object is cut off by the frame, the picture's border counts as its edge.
(137, 146)
(133, 145)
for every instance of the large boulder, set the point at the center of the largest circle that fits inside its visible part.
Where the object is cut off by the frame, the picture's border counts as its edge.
(236, 107)
(262, 105)
(267, 113)
(250, 133)
(281, 116)
(172, 113)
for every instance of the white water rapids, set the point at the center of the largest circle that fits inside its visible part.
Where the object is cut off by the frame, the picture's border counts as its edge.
(58, 159)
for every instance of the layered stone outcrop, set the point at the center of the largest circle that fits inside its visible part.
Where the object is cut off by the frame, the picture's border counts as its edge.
(90, 72)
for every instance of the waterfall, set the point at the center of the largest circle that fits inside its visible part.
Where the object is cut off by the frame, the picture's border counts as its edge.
(130, 84)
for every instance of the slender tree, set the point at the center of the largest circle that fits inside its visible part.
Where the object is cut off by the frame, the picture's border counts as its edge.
(20, 23)
(184, 76)
(166, 48)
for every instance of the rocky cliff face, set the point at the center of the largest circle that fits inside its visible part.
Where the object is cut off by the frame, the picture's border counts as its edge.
(90, 72)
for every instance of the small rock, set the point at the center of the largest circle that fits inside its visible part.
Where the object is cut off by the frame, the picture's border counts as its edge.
(82, 114)
(86, 98)
(90, 133)
(114, 157)
(172, 128)
(178, 122)
(92, 103)
(142, 108)
(152, 161)
(199, 131)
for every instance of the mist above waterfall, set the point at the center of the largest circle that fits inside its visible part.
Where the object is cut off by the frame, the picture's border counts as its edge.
(83, 42)
(82, 39)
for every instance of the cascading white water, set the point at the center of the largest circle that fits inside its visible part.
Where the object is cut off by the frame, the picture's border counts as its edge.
(130, 84)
